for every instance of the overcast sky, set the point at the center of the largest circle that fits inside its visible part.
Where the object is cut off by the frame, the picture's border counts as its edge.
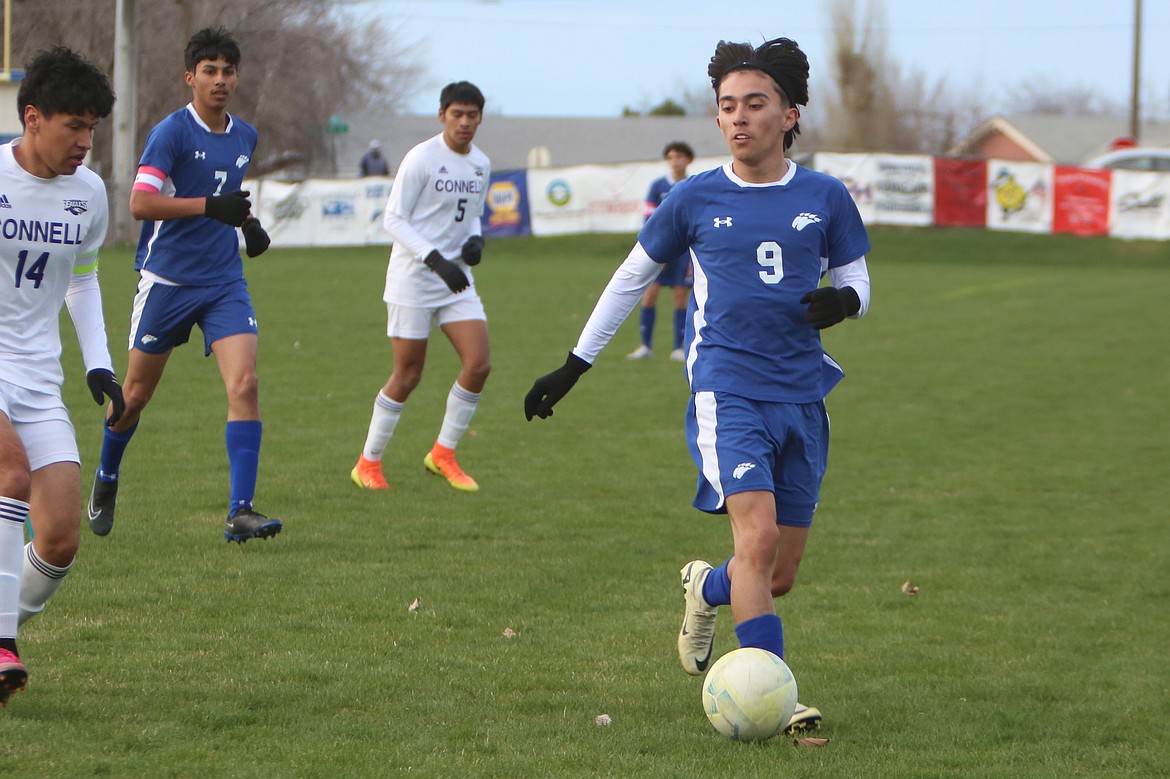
(594, 57)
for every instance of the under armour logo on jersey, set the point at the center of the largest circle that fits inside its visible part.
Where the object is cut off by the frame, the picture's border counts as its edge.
(200, 155)
(723, 221)
(804, 220)
(741, 469)
(242, 160)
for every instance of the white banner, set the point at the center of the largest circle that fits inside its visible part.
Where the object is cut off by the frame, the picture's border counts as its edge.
(903, 189)
(856, 172)
(1019, 196)
(595, 198)
(322, 212)
(1139, 205)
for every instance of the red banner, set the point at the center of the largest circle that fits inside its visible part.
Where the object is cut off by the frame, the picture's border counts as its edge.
(1080, 201)
(960, 192)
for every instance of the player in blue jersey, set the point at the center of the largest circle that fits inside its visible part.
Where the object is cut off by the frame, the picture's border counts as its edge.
(53, 215)
(762, 233)
(677, 272)
(188, 194)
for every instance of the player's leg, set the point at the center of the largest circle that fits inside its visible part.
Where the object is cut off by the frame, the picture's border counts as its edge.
(470, 339)
(235, 355)
(55, 519)
(646, 319)
(161, 319)
(144, 371)
(15, 491)
(408, 328)
(680, 294)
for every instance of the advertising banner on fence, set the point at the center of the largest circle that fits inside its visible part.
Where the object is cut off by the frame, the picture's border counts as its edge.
(1019, 196)
(895, 189)
(323, 212)
(960, 193)
(506, 212)
(1080, 201)
(1139, 205)
(596, 198)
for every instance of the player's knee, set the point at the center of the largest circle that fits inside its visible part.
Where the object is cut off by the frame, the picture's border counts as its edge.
(57, 544)
(16, 483)
(244, 388)
(136, 397)
(782, 582)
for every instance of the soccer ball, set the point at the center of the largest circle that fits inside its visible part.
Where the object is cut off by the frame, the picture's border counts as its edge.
(749, 694)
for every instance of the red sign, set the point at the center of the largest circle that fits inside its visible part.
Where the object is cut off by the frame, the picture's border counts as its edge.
(960, 192)
(1080, 200)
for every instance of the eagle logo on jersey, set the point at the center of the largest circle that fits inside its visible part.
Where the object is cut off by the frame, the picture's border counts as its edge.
(804, 220)
(741, 469)
(242, 160)
(77, 207)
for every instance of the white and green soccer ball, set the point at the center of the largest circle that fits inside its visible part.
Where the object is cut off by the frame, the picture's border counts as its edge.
(749, 694)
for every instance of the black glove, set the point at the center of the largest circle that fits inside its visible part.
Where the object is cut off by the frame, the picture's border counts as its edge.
(230, 208)
(829, 305)
(256, 240)
(448, 271)
(473, 250)
(102, 383)
(551, 387)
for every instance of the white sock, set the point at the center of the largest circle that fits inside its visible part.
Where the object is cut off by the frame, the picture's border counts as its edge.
(382, 424)
(460, 409)
(38, 583)
(12, 517)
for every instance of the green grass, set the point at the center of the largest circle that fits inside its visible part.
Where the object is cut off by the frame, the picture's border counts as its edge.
(1000, 442)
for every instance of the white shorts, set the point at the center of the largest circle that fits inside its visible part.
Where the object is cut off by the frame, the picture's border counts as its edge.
(42, 422)
(415, 323)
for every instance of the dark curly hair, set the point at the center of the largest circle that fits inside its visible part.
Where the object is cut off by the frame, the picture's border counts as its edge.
(779, 58)
(211, 43)
(59, 80)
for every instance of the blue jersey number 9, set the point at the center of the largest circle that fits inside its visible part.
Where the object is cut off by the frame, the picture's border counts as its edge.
(769, 257)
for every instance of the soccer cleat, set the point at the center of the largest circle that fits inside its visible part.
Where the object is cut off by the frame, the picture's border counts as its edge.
(678, 355)
(641, 353)
(367, 474)
(804, 718)
(697, 636)
(13, 675)
(246, 523)
(100, 510)
(441, 460)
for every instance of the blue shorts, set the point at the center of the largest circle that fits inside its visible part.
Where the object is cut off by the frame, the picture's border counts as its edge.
(164, 314)
(677, 272)
(741, 445)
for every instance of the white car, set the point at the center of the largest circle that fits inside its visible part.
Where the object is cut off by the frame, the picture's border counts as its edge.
(1155, 158)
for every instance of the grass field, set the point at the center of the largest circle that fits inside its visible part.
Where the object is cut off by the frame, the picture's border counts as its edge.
(1000, 442)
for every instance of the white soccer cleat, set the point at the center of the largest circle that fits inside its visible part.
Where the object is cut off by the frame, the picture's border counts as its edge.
(804, 718)
(641, 353)
(678, 355)
(697, 636)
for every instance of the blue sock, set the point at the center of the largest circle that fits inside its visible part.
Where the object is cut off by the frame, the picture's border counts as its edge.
(243, 449)
(113, 447)
(717, 586)
(680, 326)
(765, 631)
(646, 325)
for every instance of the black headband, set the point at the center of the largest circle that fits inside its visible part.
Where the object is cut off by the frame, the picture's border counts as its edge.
(771, 73)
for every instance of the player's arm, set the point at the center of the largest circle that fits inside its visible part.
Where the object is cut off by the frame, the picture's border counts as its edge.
(84, 300)
(846, 297)
(147, 201)
(617, 300)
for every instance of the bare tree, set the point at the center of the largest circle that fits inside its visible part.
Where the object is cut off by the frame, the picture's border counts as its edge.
(303, 62)
(1039, 95)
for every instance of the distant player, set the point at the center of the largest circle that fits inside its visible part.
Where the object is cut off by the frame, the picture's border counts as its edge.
(187, 192)
(761, 232)
(676, 274)
(54, 215)
(433, 216)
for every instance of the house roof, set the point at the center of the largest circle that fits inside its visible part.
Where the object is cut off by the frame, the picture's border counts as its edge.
(510, 141)
(1068, 140)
